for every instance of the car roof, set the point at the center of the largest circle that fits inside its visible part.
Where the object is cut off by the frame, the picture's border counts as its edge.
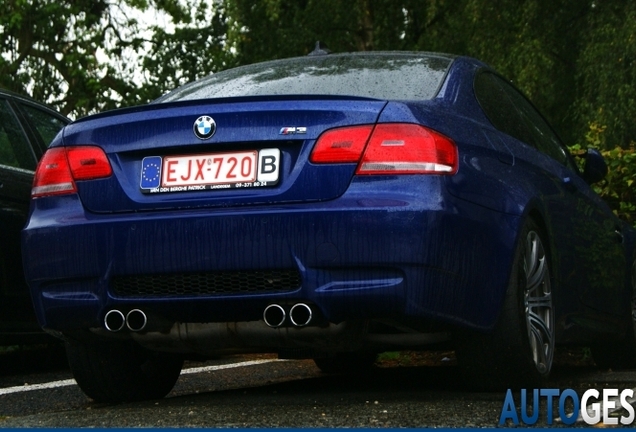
(28, 99)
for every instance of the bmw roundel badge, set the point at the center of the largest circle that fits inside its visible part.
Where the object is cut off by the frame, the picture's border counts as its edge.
(204, 127)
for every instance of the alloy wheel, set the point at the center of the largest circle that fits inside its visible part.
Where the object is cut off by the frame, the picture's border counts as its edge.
(538, 303)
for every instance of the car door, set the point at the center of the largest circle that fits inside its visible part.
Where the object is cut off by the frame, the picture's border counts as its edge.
(17, 165)
(588, 256)
(25, 129)
(594, 240)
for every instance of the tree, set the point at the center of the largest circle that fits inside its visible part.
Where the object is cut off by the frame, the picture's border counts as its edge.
(606, 74)
(49, 50)
(83, 56)
(575, 59)
(196, 47)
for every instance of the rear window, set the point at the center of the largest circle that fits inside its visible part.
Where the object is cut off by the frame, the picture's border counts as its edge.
(415, 76)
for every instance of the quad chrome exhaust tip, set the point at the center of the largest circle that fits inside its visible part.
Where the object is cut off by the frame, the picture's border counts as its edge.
(299, 314)
(135, 320)
(114, 320)
(274, 315)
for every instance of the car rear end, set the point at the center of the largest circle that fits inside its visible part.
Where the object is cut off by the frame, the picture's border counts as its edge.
(266, 221)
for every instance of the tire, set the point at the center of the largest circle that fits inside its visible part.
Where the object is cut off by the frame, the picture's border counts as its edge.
(122, 371)
(621, 354)
(520, 349)
(356, 362)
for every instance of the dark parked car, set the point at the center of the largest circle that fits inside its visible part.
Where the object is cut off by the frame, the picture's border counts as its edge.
(328, 207)
(26, 128)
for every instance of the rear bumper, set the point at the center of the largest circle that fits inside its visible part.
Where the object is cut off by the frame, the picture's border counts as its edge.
(392, 255)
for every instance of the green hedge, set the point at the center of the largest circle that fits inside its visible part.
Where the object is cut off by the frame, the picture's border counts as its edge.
(618, 188)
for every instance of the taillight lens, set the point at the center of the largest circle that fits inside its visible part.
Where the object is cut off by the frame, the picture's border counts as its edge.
(88, 163)
(408, 149)
(60, 167)
(388, 148)
(341, 145)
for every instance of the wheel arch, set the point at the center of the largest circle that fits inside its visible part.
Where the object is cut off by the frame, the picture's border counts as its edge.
(516, 352)
(533, 212)
(538, 218)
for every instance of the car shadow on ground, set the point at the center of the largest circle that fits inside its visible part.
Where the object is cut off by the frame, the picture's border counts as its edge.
(31, 359)
(394, 376)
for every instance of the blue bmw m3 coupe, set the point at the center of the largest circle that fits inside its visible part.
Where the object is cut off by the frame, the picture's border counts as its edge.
(328, 207)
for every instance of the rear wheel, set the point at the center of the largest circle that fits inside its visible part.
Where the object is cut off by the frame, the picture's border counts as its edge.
(122, 371)
(355, 362)
(520, 349)
(621, 354)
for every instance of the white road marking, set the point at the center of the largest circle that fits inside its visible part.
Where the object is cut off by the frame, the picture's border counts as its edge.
(227, 366)
(30, 387)
(70, 382)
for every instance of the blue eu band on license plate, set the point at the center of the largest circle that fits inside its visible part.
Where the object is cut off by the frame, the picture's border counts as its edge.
(229, 170)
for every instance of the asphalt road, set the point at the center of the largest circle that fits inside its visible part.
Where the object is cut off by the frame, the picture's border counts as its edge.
(36, 390)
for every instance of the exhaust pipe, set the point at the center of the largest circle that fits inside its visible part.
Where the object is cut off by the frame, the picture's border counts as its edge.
(136, 320)
(274, 315)
(114, 320)
(300, 314)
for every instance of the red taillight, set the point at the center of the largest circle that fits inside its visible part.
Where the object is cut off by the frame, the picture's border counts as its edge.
(53, 175)
(60, 167)
(393, 148)
(88, 163)
(341, 145)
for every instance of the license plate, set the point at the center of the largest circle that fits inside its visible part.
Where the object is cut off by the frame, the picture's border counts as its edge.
(244, 169)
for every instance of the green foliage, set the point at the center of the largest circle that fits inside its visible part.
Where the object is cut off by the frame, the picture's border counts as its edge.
(618, 188)
(187, 52)
(83, 56)
(606, 73)
(575, 59)
(48, 47)
(389, 355)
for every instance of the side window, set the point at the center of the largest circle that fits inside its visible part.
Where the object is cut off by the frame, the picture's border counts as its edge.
(499, 108)
(15, 150)
(543, 136)
(510, 112)
(46, 125)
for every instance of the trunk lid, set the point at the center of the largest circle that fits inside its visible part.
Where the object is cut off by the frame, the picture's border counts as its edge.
(267, 134)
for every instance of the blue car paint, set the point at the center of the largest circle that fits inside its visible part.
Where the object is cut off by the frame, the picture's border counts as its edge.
(300, 181)
(422, 276)
(430, 248)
